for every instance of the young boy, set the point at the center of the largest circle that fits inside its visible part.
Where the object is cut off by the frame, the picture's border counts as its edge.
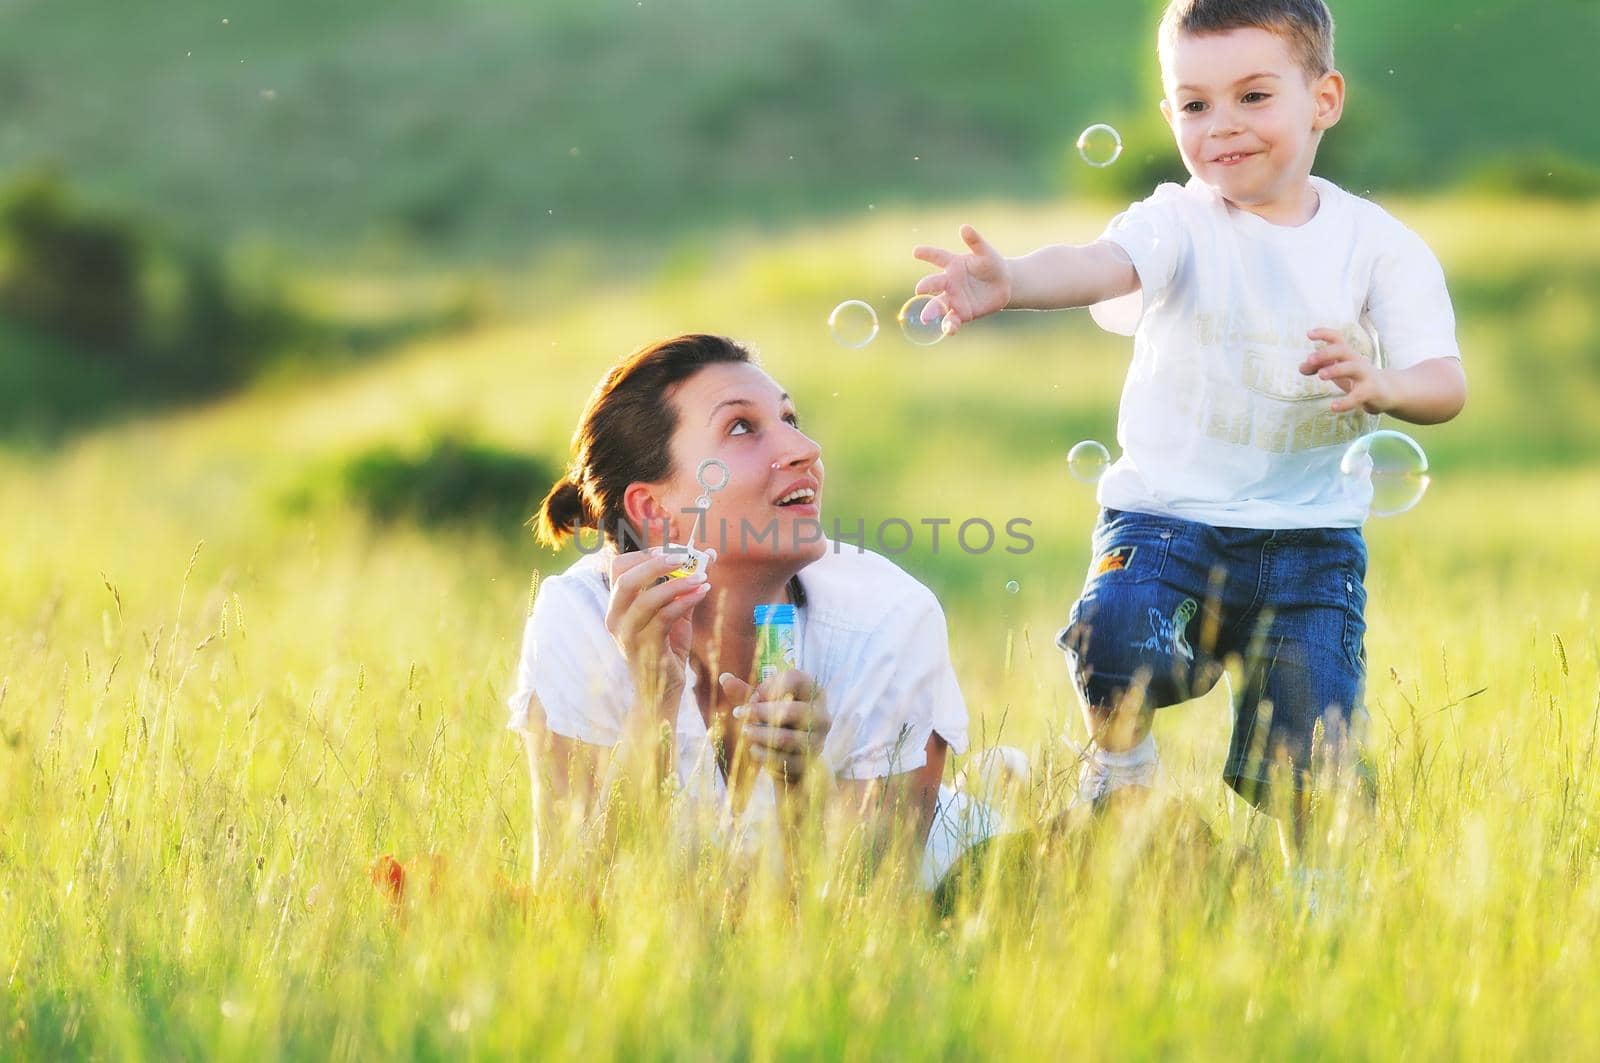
(1253, 294)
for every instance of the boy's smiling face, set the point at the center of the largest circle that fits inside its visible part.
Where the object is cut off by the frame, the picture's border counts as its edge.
(1248, 118)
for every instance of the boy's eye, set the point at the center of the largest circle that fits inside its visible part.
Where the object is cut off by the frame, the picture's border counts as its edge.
(1255, 97)
(1194, 106)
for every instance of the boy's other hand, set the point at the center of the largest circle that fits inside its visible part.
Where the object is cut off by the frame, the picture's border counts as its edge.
(1366, 387)
(968, 287)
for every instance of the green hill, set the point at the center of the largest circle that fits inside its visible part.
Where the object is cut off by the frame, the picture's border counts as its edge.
(486, 125)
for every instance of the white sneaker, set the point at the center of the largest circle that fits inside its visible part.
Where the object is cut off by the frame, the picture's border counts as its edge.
(1103, 772)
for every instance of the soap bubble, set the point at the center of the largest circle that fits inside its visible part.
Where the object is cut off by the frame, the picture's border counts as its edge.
(1100, 145)
(922, 333)
(853, 323)
(1013, 587)
(1394, 464)
(1088, 460)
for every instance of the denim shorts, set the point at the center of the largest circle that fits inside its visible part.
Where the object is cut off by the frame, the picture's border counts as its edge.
(1168, 601)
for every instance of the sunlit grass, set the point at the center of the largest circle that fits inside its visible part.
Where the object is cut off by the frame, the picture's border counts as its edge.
(203, 749)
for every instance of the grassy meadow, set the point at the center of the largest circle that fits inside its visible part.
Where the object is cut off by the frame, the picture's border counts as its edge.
(217, 708)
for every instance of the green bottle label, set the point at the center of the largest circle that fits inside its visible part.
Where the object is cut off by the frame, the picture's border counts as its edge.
(775, 650)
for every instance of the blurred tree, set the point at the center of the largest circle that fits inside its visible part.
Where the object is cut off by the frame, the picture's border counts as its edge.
(68, 273)
(451, 481)
(168, 319)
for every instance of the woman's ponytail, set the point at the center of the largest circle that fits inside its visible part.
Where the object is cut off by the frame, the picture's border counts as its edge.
(561, 514)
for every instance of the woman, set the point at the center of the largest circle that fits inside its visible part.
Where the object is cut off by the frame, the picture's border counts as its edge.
(614, 651)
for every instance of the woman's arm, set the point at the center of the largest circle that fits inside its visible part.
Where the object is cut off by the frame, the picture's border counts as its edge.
(898, 811)
(618, 728)
(564, 775)
(787, 724)
(900, 684)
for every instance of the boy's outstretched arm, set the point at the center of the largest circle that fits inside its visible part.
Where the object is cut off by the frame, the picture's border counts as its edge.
(1429, 392)
(983, 281)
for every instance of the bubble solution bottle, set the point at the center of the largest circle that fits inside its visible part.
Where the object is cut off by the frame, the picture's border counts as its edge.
(775, 641)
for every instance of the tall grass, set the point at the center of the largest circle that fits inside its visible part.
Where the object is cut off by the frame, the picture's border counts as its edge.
(204, 745)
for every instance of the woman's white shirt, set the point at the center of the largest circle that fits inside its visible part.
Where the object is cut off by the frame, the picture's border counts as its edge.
(870, 634)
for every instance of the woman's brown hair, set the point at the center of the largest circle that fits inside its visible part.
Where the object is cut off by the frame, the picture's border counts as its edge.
(623, 436)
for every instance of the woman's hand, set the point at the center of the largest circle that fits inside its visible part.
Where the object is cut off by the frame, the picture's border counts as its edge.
(969, 286)
(651, 622)
(785, 722)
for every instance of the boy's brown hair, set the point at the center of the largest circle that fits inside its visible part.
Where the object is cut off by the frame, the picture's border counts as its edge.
(1306, 25)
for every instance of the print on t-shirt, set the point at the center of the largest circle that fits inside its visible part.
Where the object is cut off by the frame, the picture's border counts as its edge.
(1265, 402)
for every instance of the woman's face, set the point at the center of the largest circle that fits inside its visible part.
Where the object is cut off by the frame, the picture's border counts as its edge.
(770, 507)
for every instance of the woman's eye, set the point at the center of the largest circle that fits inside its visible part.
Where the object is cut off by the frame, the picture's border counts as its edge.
(740, 426)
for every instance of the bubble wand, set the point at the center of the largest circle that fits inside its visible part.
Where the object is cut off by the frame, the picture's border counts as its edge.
(695, 560)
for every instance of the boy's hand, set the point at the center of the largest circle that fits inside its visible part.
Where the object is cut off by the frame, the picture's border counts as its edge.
(1366, 387)
(971, 286)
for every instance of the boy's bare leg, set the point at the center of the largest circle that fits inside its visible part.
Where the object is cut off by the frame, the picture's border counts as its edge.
(1119, 728)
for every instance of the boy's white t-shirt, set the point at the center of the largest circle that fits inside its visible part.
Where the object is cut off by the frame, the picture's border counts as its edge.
(870, 634)
(1217, 424)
